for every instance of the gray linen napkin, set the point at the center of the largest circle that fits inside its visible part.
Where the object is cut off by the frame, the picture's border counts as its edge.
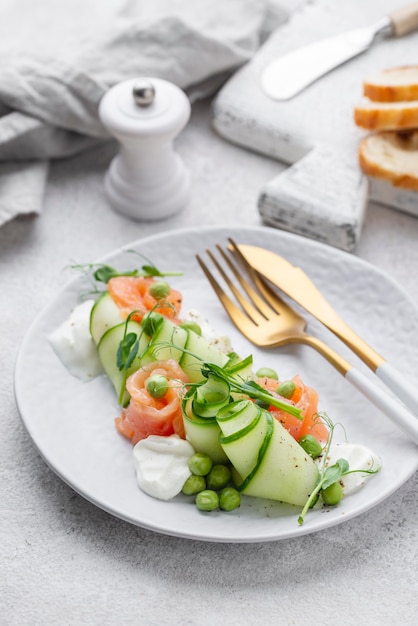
(48, 102)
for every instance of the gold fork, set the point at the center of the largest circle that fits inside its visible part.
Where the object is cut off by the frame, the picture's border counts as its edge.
(267, 321)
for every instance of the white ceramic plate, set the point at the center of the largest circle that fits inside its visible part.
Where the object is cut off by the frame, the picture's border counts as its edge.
(72, 424)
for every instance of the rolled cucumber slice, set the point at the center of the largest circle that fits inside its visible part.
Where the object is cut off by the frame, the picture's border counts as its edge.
(233, 359)
(210, 397)
(198, 350)
(244, 431)
(237, 416)
(104, 315)
(202, 433)
(286, 473)
(185, 346)
(269, 462)
(167, 342)
(108, 349)
(241, 369)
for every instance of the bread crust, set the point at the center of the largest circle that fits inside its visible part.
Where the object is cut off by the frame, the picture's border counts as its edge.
(397, 84)
(386, 116)
(391, 156)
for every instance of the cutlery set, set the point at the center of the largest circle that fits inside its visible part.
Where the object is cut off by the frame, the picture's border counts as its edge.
(264, 318)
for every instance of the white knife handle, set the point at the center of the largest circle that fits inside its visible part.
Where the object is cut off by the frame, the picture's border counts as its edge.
(407, 422)
(399, 384)
(404, 20)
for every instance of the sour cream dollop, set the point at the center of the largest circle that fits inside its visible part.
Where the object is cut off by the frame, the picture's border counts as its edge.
(74, 346)
(359, 457)
(162, 465)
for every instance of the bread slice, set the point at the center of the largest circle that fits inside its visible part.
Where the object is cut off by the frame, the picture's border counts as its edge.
(386, 115)
(396, 84)
(391, 156)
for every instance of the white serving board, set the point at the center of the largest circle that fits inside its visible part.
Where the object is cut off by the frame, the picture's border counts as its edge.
(317, 121)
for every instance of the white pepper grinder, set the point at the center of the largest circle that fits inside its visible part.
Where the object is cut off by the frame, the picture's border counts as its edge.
(146, 180)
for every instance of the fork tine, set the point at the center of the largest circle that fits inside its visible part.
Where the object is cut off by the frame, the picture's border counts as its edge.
(238, 317)
(260, 304)
(253, 314)
(269, 295)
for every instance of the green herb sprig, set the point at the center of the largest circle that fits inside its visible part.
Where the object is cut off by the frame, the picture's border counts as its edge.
(331, 474)
(127, 352)
(105, 272)
(251, 389)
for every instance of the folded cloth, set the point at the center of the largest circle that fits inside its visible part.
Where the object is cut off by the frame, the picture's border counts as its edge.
(49, 104)
(21, 188)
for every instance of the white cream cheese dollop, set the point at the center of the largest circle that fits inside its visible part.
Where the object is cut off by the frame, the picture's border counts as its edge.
(359, 457)
(74, 345)
(162, 465)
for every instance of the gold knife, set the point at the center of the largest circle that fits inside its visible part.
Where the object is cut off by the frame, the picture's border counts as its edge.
(298, 286)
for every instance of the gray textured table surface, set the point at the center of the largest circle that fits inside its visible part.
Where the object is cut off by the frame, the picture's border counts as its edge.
(64, 561)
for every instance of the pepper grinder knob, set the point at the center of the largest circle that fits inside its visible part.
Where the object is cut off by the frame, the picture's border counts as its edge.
(146, 180)
(143, 92)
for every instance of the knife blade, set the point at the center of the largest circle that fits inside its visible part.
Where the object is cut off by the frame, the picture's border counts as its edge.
(297, 285)
(286, 76)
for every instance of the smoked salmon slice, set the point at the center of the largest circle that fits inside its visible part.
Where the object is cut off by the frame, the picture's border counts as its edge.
(306, 399)
(146, 415)
(132, 293)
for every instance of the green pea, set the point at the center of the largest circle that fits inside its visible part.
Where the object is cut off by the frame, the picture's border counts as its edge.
(207, 500)
(333, 494)
(218, 477)
(286, 389)
(157, 386)
(193, 485)
(229, 499)
(159, 289)
(200, 464)
(267, 372)
(192, 326)
(311, 445)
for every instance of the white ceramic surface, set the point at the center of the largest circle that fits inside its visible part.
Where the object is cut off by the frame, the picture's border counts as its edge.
(71, 422)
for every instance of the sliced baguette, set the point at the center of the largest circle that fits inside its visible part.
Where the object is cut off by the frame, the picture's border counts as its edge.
(386, 115)
(391, 156)
(396, 84)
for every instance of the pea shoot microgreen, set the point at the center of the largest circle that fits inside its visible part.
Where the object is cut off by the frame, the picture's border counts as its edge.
(149, 269)
(105, 272)
(328, 475)
(251, 389)
(127, 352)
(102, 272)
